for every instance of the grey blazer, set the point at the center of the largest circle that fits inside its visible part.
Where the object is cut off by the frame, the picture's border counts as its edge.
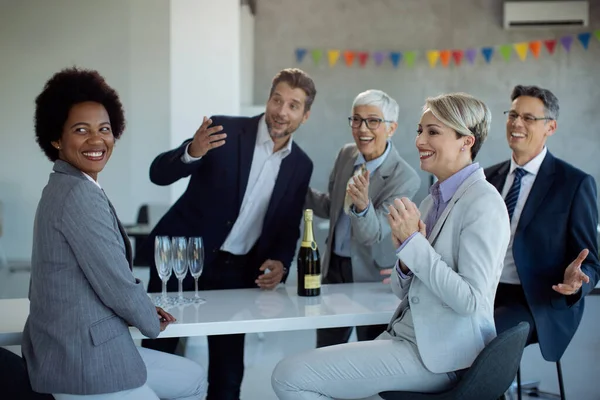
(371, 241)
(83, 294)
(455, 275)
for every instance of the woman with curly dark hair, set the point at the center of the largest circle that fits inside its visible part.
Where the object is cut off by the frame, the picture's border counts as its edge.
(83, 295)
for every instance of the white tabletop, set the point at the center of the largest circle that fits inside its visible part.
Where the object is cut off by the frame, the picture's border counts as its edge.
(251, 310)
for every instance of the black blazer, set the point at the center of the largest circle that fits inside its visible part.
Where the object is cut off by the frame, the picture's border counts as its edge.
(559, 220)
(211, 203)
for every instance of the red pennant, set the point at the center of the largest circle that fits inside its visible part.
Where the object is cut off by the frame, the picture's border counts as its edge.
(457, 55)
(349, 57)
(550, 45)
(362, 58)
(445, 57)
(535, 48)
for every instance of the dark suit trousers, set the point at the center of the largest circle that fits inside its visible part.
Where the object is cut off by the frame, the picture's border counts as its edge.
(510, 308)
(340, 271)
(225, 352)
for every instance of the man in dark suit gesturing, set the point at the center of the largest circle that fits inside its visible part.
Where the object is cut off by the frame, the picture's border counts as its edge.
(552, 257)
(248, 182)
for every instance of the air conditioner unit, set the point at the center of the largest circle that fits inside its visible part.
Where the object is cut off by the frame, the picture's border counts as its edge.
(519, 14)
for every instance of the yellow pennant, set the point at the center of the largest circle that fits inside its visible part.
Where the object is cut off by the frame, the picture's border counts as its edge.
(433, 56)
(521, 49)
(333, 56)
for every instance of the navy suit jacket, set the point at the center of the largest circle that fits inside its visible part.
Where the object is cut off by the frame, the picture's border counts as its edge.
(559, 219)
(211, 203)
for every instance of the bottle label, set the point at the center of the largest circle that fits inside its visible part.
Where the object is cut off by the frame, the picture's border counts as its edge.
(312, 281)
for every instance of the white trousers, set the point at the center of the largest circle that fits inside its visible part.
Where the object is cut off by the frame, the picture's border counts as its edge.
(170, 377)
(358, 370)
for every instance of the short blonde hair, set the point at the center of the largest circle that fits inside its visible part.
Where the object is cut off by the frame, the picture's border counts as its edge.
(463, 113)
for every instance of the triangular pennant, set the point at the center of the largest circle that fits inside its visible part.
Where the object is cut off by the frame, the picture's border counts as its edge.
(445, 57)
(349, 57)
(395, 57)
(487, 52)
(363, 56)
(432, 57)
(597, 34)
(378, 57)
(566, 41)
(472, 53)
(457, 55)
(300, 53)
(409, 58)
(535, 48)
(505, 51)
(521, 49)
(316, 56)
(584, 38)
(332, 57)
(550, 45)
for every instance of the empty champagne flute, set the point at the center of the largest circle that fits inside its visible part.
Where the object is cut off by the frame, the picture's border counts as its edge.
(196, 262)
(162, 259)
(179, 259)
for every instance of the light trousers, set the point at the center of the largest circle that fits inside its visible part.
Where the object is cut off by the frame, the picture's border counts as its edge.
(170, 377)
(358, 370)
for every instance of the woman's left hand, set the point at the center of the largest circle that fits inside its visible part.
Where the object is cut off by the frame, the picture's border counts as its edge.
(359, 191)
(403, 217)
(165, 318)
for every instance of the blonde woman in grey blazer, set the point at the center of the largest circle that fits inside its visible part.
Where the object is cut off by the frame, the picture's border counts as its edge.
(83, 295)
(367, 176)
(450, 254)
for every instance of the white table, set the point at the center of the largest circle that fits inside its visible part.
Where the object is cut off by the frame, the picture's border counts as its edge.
(250, 310)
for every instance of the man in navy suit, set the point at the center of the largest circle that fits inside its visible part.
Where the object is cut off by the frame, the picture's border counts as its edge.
(552, 257)
(248, 182)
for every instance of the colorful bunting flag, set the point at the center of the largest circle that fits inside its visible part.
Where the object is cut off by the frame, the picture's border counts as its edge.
(566, 41)
(363, 56)
(597, 34)
(535, 48)
(378, 56)
(409, 58)
(317, 54)
(332, 57)
(300, 53)
(457, 55)
(471, 54)
(506, 51)
(349, 57)
(395, 57)
(445, 57)
(432, 56)
(584, 38)
(487, 52)
(521, 49)
(550, 45)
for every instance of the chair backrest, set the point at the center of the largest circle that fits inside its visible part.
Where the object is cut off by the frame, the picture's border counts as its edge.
(495, 368)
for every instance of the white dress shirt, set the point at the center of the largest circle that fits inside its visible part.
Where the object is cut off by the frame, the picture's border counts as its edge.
(91, 179)
(263, 173)
(509, 272)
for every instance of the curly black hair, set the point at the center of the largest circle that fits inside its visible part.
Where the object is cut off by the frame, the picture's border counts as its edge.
(65, 89)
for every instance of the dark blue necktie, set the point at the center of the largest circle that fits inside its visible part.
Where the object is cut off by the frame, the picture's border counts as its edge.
(513, 194)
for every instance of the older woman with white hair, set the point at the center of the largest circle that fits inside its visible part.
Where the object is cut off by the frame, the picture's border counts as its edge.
(450, 254)
(367, 176)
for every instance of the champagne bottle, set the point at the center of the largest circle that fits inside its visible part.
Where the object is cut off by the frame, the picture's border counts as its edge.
(309, 261)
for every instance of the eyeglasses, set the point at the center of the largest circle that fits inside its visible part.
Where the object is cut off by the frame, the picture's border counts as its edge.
(371, 123)
(527, 118)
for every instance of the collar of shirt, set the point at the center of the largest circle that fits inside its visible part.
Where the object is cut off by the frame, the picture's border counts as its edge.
(263, 138)
(447, 188)
(532, 166)
(90, 178)
(375, 163)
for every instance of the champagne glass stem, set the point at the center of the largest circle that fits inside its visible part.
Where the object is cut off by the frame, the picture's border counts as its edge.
(180, 289)
(196, 287)
(164, 291)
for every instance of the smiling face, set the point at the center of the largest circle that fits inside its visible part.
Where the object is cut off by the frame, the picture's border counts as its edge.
(87, 140)
(285, 112)
(441, 152)
(371, 142)
(527, 136)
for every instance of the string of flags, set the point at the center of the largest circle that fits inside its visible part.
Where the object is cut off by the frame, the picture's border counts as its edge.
(448, 56)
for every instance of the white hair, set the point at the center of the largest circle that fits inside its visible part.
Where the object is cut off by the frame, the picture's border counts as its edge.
(372, 97)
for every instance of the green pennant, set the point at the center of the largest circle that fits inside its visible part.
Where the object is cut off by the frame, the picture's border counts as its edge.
(597, 34)
(409, 58)
(316, 55)
(505, 51)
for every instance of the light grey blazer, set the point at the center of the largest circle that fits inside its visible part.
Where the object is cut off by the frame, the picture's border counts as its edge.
(371, 241)
(456, 273)
(83, 294)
